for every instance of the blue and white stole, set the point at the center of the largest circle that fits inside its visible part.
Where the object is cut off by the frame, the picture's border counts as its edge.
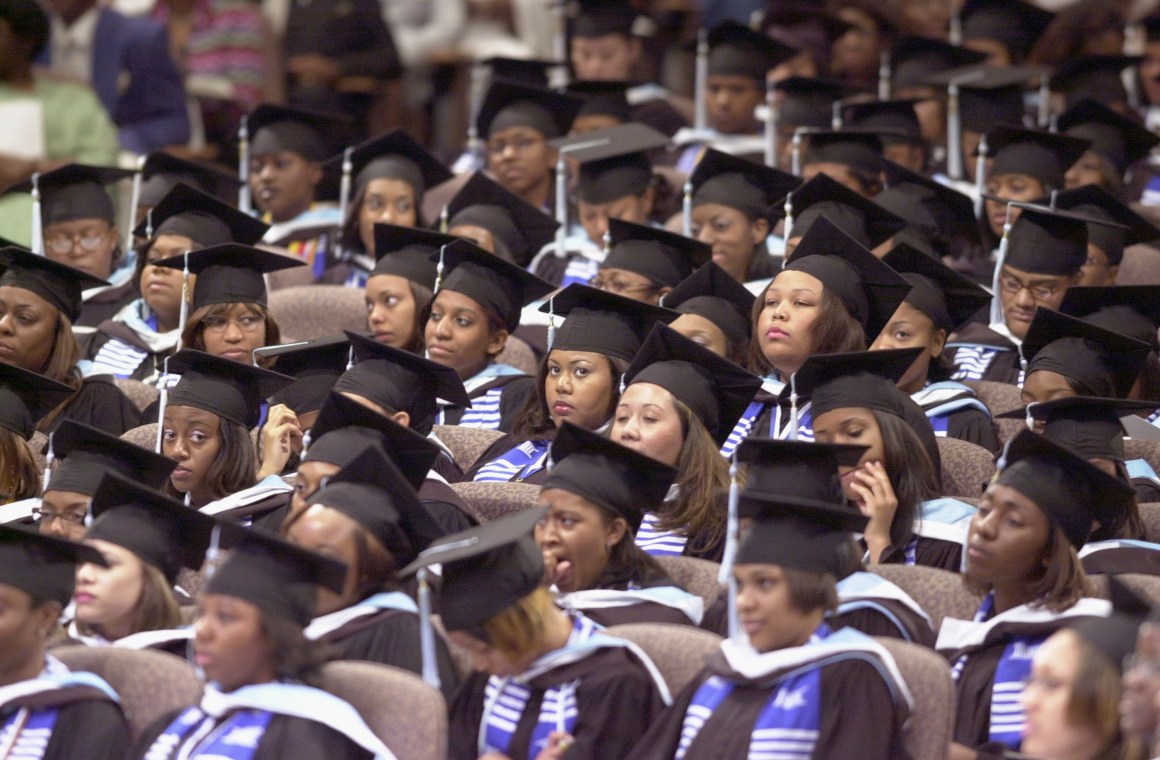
(939, 400)
(1014, 668)
(231, 726)
(944, 519)
(372, 605)
(659, 543)
(484, 409)
(867, 591)
(515, 464)
(121, 359)
(26, 731)
(972, 360)
(505, 699)
(778, 423)
(789, 724)
(271, 485)
(690, 605)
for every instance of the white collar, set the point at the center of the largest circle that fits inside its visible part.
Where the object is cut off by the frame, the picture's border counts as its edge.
(958, 634)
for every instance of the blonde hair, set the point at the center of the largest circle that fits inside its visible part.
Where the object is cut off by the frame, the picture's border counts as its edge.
(520, 627)
(156, 609)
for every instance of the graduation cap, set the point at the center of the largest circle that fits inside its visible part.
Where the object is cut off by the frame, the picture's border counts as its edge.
(519, 228)
(315, 366)
(988, 95)
(1132, 310)
(890, 119)
(161, 531)
(1151, 24)
(602, 322)
(525, 71)
(870, 290)
(858, 150)
(345, 427)
(610, 475)
(863, 379)
(229, 389)
(372, 492)
(1015, 24)
(394, 155)
(736, 183)
(508, 104)
(202, 218)
(938, 291)
(1070, 491)
(400, 381)
(495, 284)
(406, 252)
(1089, 426)
(1093, 76)
(914, 59)
(277, 577)
(59, 284)
(855, 215)
(807, 101)
(1120, 140)
(1048, 243)
(617, 162)
(74, 191)
(1126, 228)
(26, 397)
(714, 388)
(601, 18)
(664, 257)
(714, 294)
(84, 454)
(485, 570)
(1042, 155)
(230, 273)
(938, 211)
(1103, 362)
(42, 566)
(1115, 636)
(274, 129)
(602, 98)
(164, 171)
(736, 50)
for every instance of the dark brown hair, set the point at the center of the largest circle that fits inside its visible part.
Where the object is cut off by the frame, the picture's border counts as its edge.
(375, 566)
(193, 336)
(628, 564)
(911, 473)
(156, 609)
(1062, 582)
(535, 422)
(234, 468)
(834, 332)
(21, 477)
(296, 657)
(809, 591)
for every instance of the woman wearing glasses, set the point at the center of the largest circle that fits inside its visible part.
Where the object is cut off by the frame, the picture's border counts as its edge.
(645, 263)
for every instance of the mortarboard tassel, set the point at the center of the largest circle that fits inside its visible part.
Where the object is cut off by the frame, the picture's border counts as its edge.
(213, 553)
(884, 74)
(551, 322)
(770, 126)
(49, 458)
(793, 408)
(980, 177)
(186, 296)
(687, 209)
(444, 221)
(439, 269)
(732, 539)
(701, 81)
(996, 302)
(1030, 420)
(245, 204)
(426, 631)
(344, 190)
(37, 231)
(788, 228)
(134, 199)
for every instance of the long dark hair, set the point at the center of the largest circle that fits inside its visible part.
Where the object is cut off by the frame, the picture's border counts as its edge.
(235, 467)
(535, 422)
(1062, 581)
(912, 474)
(296, 658)
(835, 331)
(628, 564)
(349, 234)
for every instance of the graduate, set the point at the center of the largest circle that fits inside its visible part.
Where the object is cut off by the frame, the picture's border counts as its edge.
(391, 174)
(869, 224)
(605, 104)
(401, 285)
(48, 710)
(1118, 227)
(714, 309)
(852, 159)
(259, 666)
(498, 221)
(731, 202)
(1117, 143)
(25, 398)
(134, 342)
(896, 124)
(913, 61)
(40, 300)
(1006, 31)
(205, 427)
(476, 308)
(940, 220)
(1022, 553)
(578, 380)
(596, 494)
(164, 171)
(939, 302)
(789, 682)
(644, 263)
(368, 516)
(405, 388)
(805, 102)
(679, 403)
(145, 538)
(544, 679)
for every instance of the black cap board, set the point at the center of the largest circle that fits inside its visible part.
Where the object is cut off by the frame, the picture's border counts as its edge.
(715, 389)
(229, 389)
(736, 183)
(861, 150)
(1093, 76)
(866, 222)
(1066, 488)
(1089, 426)
(406, 252)
(394, 155)
(797, 474)
(714, 294)
(161, 531)
(1104, 363)
(1046, 242)
(1117, 138)
(914, 59)
(315, 366)
(802, 22)
(1115, 636)
(602, 98)
(495, 284)
(863, 379)
(988, 95)
(736, 50)
(1132, 310)
(74, 191)
(277, 577)
(485, 570)
(202, 218)
(601, 18)
(615, 477)
(1126, 228)
(807, 102)
(870, 289)
(42, 566)
(937, 211)
(400, 381)
(602, 322)
(938, 291)
(1042, 155)
(230, 273)
(664, 257)
(615, 163)
(310, 134)
(527, 71)
(26, 397)
(1015, 24)
(508, 104)
(163, 171)
(520, 229)
(890, 119)
(372, 492)
(84, 454)
(56, 283)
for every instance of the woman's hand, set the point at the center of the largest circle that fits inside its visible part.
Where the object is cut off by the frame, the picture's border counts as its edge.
(558, 744)
(875, 498)
(281, 437)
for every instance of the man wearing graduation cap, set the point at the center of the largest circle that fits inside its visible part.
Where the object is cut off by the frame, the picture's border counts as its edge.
(912, 61)
(805, 102)
(852, 158)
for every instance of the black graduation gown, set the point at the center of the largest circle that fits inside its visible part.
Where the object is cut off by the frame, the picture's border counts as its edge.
(1147, 492)
(928, 552)
(265, 515)
(447, 507)
(286, 738)
(88, 729)
(644, 612)
(857, 718)
(1004, 366)
(110, 330)
(106, 304)
(972, 426)
(616, 699)
(100, 403)
(517, 389)
(448, 469)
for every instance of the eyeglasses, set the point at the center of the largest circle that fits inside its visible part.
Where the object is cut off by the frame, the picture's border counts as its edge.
(247, 323)
(88, 241)
(619, 287)
(1039, 291)
(518, 145)
(68, 518)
